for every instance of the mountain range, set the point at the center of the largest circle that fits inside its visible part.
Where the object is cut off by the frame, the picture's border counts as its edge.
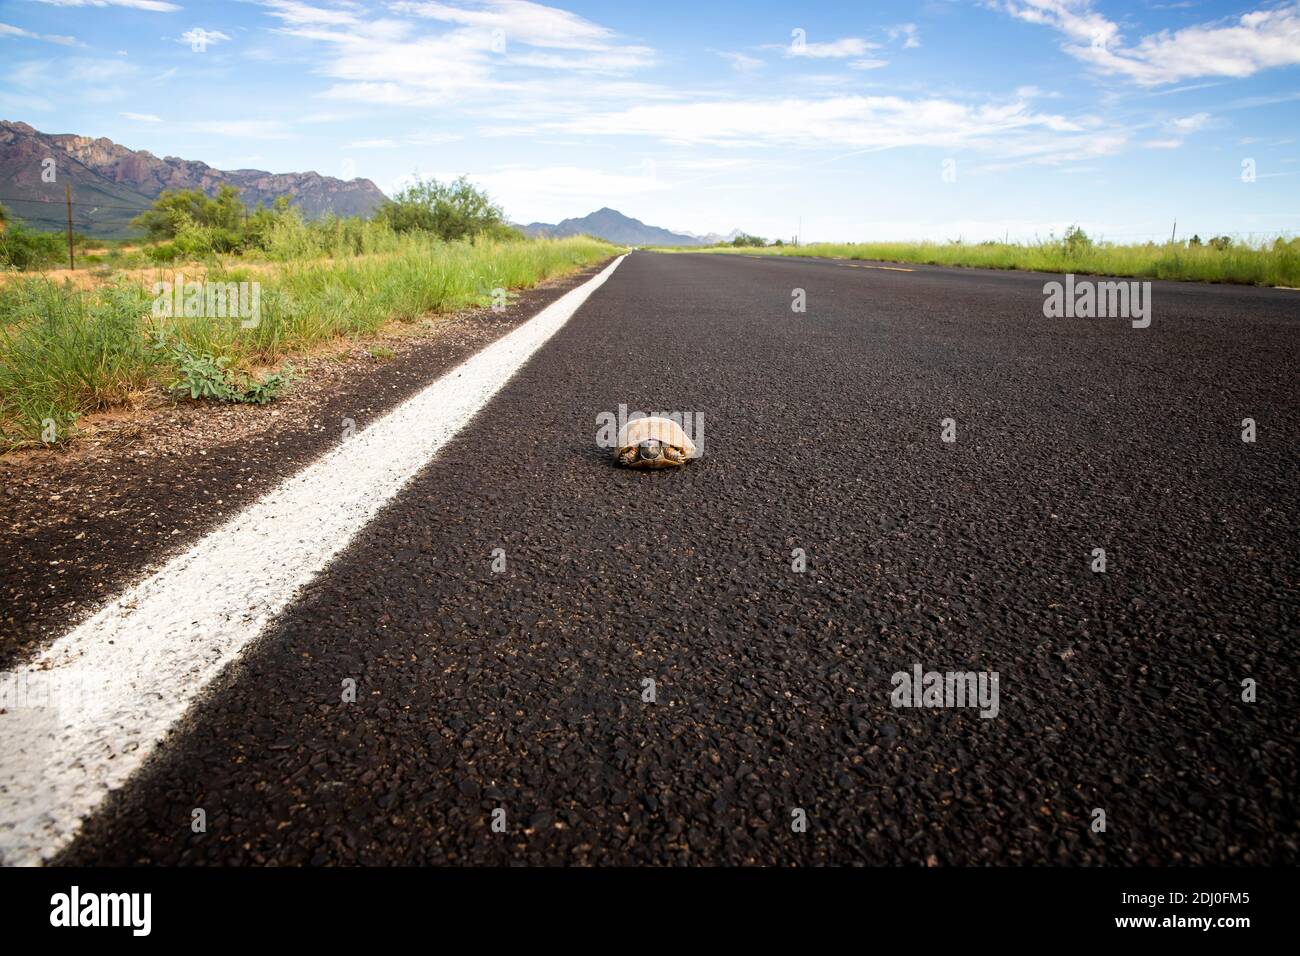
(111, 184)
(612, 226)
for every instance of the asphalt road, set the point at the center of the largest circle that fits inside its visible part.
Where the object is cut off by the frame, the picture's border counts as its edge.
(522, 690)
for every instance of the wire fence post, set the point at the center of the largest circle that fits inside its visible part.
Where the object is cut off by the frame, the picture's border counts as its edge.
(67, 192)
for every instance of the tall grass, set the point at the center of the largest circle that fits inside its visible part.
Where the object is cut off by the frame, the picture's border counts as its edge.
(65, 352)
(290, 238)
(1270, 265)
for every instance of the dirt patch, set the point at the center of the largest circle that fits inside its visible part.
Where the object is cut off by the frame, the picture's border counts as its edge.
(77, 525)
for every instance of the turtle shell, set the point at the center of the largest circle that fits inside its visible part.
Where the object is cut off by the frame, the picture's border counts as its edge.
(663, 430)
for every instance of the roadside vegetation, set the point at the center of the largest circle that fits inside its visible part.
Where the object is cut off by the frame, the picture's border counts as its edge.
(1219, 259)
(23, 248)
(66, 351)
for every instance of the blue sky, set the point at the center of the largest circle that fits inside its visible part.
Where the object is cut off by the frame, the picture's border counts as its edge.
(938, 119)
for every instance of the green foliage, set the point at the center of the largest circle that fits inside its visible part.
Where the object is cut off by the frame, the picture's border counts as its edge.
(67, 351)
(177, 210)
(21, 248)
(1276, 263)
(205, 376)
(455, 210)
(747, 241)
(187, 224)
(1076, 242)
(288, 237)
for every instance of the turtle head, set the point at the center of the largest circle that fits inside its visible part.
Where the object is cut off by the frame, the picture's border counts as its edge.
(650, 449)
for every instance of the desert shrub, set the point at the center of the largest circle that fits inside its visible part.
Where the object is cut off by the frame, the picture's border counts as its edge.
(21, 248)
(455, 210)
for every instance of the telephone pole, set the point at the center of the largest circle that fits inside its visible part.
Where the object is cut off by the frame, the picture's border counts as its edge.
(67, 192)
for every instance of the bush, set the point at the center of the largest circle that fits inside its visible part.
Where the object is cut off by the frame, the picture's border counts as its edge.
(456, 210)
(746, 241)
(176, 211)
(1076, 242)
(20, 248)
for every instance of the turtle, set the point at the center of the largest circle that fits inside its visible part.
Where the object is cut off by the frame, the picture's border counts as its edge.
(653, 443)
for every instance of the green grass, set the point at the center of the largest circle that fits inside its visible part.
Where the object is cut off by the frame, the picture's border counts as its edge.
(66, 352)
(1276, 264)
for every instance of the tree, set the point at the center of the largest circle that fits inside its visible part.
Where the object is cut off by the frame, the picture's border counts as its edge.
(455, 210)
(747, 240)
(175, 209)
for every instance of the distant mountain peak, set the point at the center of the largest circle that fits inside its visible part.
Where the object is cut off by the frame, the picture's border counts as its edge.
(612, 226)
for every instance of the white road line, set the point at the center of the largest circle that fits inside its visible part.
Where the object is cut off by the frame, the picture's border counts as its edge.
(85, 713)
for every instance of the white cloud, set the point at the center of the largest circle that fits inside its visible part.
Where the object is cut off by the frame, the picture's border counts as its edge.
(859, 122)
(141, 117)
(522, 21)
(1163, 143)
(402, 61)
(198, 37)
(373, 144)
(742, 62)
(1189, 124)
(155, 6)
(304, 14)
(621, 60)
(907, 33)
(8, 30)
(870, 64)
(1237, 48)
(74, 78)
(835, 49)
